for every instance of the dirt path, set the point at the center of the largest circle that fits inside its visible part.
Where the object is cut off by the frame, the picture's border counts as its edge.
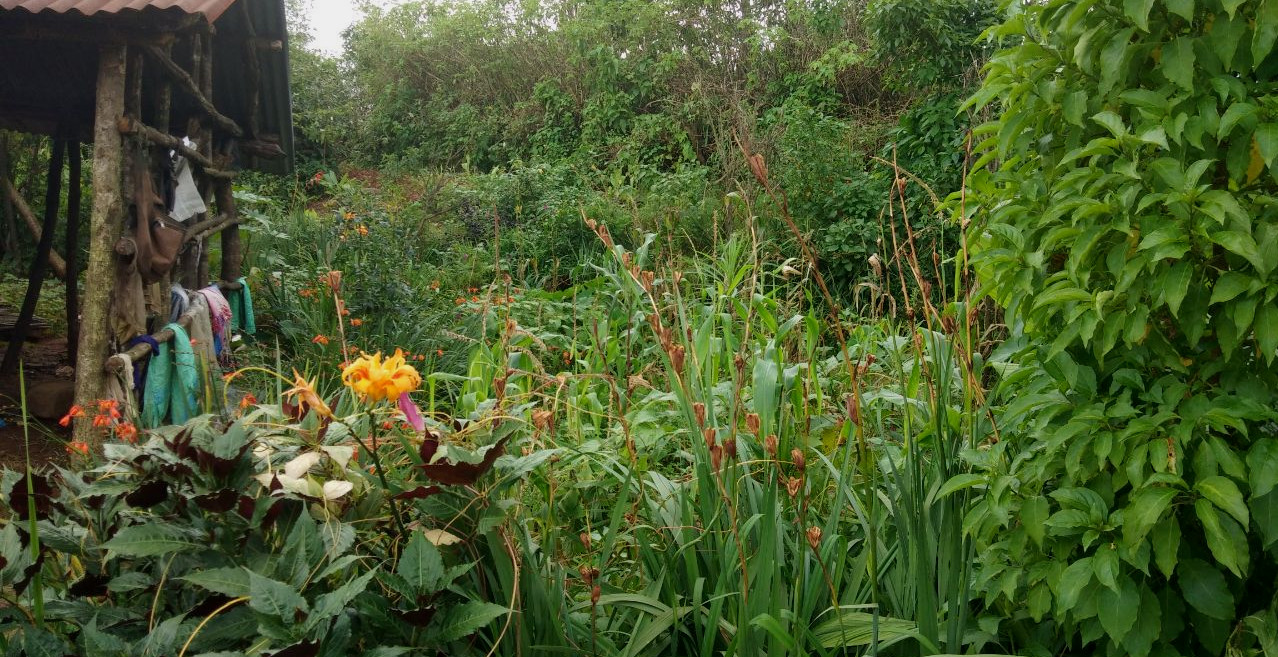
(43, 361)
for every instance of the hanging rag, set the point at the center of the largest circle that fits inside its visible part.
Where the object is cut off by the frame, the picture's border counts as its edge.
(155, 397)
(184, 402)
(139, 368)
(178, 302)
(219, 315)
(187, 201)
(242, 309)
(201, 329)
(119, 385)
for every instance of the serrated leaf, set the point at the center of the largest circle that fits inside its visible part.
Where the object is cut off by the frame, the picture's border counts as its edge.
(152, 540)
(232, 582)
(1224, 493)
(464, 620)
(273, 598)
(421, 565)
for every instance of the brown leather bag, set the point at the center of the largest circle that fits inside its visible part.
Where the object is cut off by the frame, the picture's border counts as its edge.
(159, 238)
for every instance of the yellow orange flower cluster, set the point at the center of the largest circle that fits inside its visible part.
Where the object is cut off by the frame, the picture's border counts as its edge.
(376, 379)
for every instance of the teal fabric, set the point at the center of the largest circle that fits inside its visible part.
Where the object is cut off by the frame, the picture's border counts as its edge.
(241, 301)
(155, 398)
(184, 402)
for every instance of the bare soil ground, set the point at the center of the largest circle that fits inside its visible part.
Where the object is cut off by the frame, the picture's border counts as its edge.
(42, 361)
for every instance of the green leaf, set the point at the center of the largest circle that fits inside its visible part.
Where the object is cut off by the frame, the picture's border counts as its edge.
(959, 482)
(1034, 518)
(1176, 285)
(1262, 466)
(1242, 244)
(1138, 12)
(1266, 328)
(1229, 285)
(332, 603)
(232, 582)
(1145, 510)
(273, 598)
(1075, 578)
(1205, 589)
(1231, 6)
(1120, 608)
(1267, 142)
(421, 565)
(1178, 62)
(151, 540)
(1266, 31)
(462, 621)
(1225, 545)
(1182, 8)
(1264, 517)
(1224, 493)
(1165, 538)
(1105, 564)
(1236, 113)
(1111, 122)
(1146, 627)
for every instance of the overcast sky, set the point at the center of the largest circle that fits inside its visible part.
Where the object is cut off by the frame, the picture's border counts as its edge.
(329, 17)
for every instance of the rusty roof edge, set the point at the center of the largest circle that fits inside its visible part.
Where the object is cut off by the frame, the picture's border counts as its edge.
(210, 9)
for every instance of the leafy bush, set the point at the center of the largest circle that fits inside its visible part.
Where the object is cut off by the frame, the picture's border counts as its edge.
(1127, 228)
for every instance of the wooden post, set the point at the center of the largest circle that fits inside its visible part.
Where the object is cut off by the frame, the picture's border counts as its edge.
(10, 240)
(73, 250)
(232, 255)
(39, 264)
(104, 227)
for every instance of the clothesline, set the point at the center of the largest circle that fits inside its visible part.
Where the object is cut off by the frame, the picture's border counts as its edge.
(142, 350)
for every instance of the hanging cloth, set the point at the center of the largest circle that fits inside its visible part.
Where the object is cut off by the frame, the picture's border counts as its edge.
(184, 402)
(220, 315)
(179, 300)
(242, 309)
(202, 329)
(155, 397)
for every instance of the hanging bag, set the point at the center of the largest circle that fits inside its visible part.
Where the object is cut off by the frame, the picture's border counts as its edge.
(159, 238)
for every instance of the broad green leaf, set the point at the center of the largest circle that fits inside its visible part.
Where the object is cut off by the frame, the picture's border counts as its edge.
(1177, 284)
(1266, 327)
(1224, 493)
(1266, 31)
(1119, 608)
(421, 565)
(1105, 563)
(273, 598)
(1241, 244)
(959, 482)
(1264, 517)
(1165, 537)
(232, 582)
(1267, 142)
(1145, 510)
(1111, 122)
(1231, 6)
(1229, 285)
(1182, 8)
(1075, 578)
(1138, 12)
(1262, 466)
(1228, 547)
(1205, 589)
(1178, 62)
(1146, 627)
(1034, 518)
(1236, 113)
(464, 620)
(151, 540)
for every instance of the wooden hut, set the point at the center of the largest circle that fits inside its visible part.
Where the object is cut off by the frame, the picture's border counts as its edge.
(144, 81)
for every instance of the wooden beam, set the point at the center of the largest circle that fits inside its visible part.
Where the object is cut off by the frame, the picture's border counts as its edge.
(188, 85)
(105, 225)
(232, 250)
(208, 227)
(28, 216)
(39, 264)
(128, 126)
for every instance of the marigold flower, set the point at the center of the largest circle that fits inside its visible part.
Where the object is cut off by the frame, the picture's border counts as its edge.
(320, 339)
(78, 447)
(127, 432)
(376, 379)
(305, 392)
(357, 322)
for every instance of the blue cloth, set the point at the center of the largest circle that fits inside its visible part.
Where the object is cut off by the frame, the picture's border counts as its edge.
(179, 299)
(184, 402)
(139, 368)
(155, 397)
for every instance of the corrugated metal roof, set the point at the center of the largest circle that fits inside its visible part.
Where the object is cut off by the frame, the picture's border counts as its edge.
(211, 9)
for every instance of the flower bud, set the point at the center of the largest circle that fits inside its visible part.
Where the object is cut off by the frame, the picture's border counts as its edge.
(677, 354)
(716, 456)
(699, 410)
(770, 445)
(730, 447)
(796, 456)
(792, 485)
(708, 433)
(752, 423)
(814, 537)
(585, 540)
(853, 403)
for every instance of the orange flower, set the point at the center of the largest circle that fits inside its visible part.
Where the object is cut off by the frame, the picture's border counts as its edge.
(305, 392)
(102, 421)
(75, 412)
(375, 379)
(434, 285)
(459, 301)
(348, 216)
(439, 352)
(127, 432)
(247, 400)
(362, 230)
(357, 322)
(320, 339)
(78, 447)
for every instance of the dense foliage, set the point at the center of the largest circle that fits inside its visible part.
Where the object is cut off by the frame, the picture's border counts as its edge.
(1129, 230)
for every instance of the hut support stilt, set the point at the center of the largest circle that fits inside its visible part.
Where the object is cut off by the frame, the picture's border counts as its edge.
(104, 227)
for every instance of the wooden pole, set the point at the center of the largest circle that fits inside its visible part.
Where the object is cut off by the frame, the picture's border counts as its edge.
(39, 264)
(10, 243)
(10, 193)
(73, 250)
(105, 225)
(232, 255)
